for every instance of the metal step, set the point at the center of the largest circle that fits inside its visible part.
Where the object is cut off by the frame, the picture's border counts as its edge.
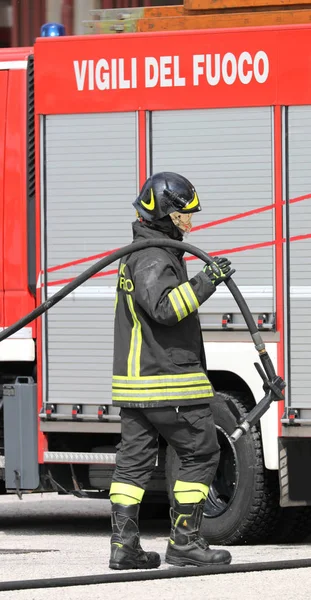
(82, 458)
(79, 458)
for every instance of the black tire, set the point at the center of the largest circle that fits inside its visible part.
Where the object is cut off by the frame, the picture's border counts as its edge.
(293, 526)
(243, 501)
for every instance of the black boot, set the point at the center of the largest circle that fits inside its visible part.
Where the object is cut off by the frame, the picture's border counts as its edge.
(185, 546)
(126, 551)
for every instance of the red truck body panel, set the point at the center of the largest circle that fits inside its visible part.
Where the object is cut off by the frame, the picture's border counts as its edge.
(258, 67)
(3, 103)
(16, 298)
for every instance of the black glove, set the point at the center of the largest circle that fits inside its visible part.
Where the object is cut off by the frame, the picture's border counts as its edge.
(222, 266)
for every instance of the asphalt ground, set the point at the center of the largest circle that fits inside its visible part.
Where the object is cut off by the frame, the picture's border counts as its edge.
(55, 536)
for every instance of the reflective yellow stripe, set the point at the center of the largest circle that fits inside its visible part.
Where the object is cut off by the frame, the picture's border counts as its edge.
(190, 486)
(181, 391)
(117, 543)
(203, 394)
(122, 499)
(189, 497)
(126, 489)
(190, 493)
(181, 302)
(193, 203)
(185, 297)
(158, 378)
(133, 361)
(189, 296)
(161, 387)
(116, 301)
(178, 314)
(192, 294)
(134, 386)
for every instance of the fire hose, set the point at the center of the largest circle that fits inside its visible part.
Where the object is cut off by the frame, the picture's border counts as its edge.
(53, 582)
(273, 386)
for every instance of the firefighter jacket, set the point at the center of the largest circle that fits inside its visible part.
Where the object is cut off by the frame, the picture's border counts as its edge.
(158, 346)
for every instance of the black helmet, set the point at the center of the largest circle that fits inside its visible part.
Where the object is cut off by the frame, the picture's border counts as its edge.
(165, 193)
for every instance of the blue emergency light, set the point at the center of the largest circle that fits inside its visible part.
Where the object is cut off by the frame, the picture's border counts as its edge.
(52, 30)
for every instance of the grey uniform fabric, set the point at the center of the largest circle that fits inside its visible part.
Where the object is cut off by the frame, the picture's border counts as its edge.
(188, 429)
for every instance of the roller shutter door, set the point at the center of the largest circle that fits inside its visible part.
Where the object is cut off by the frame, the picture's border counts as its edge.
(91, 180)
(299, 164)
(228, 155)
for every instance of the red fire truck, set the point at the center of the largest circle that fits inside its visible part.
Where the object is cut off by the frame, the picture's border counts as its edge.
(83, 122)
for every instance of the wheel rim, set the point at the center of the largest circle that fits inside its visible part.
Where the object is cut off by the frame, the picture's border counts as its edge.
(223, 489)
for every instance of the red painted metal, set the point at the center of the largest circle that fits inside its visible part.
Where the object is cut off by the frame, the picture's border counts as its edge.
(20, 53)
(106, 4)
(268, 59)
(279, 274)
(67, 15)
(3, 105)
(17, 299)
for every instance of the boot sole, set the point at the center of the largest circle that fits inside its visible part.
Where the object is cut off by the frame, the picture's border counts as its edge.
(177, 562)
(125, 567)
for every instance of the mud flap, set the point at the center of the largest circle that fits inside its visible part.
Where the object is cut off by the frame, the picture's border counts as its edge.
(20, 435)
(294, 471)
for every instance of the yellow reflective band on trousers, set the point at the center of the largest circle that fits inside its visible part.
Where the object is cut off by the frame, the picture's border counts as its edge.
(161, 387)
(125, 493)
(190, 492)
(183, 300)
(133, 361)
(122, 499)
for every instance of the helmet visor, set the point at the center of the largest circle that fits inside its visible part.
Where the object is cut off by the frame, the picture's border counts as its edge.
(181, 204)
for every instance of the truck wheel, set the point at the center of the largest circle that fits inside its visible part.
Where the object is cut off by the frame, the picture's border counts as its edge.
(292, 527)
(243, 500)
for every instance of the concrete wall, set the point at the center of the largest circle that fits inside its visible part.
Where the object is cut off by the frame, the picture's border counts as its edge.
(81, 12)
(53, 11)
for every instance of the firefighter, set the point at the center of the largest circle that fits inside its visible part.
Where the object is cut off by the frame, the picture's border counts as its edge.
(160, 381)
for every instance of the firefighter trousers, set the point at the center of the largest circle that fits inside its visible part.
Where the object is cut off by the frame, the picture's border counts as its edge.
(190, 430)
